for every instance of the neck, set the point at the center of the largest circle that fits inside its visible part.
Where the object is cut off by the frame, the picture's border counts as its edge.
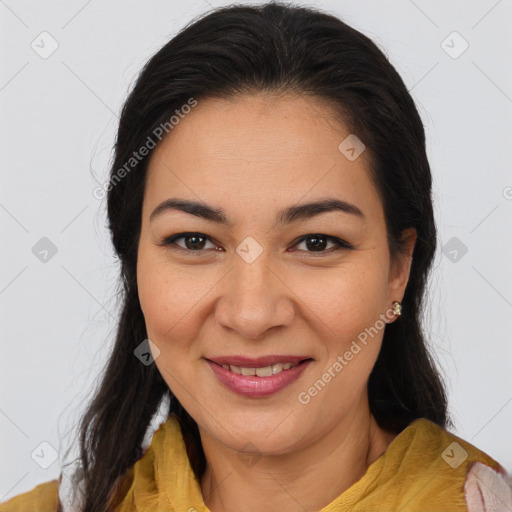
(304, 480)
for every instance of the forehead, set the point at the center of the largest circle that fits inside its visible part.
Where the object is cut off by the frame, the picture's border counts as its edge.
(258, 148)
(257, 126)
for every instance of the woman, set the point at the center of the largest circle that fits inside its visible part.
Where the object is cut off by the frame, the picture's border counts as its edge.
(270, 203)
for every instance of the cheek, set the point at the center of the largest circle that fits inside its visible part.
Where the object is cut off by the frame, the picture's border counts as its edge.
(343, 300)
(171, 300)
(158, 298)
(170, 303)
(345, 309)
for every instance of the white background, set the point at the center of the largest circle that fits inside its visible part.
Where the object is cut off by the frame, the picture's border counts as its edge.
(58, 120)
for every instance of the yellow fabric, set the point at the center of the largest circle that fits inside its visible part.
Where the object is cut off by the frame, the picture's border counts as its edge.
(43, 498)
(414, 474)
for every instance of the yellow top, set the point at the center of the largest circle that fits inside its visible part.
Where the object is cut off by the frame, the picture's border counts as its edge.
(423, 469)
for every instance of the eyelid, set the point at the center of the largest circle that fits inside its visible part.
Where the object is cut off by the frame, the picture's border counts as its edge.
(170, 241)
(341, 244)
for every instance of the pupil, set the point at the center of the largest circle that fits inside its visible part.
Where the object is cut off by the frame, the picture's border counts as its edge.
(194, 244)
(317, 242)
(313, 242)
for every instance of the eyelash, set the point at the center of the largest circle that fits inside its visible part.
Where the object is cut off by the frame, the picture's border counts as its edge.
(340, 244)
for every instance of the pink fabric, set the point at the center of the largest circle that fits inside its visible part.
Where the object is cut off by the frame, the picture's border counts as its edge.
(487, 490)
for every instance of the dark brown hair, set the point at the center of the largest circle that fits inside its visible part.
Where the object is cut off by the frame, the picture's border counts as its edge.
(274, 48)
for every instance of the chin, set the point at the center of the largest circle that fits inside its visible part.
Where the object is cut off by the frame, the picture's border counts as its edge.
(271, 434)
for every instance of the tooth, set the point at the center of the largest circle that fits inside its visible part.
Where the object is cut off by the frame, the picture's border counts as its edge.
(264, 372)
(277, 368)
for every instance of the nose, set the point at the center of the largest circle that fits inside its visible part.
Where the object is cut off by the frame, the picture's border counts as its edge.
(254, 300)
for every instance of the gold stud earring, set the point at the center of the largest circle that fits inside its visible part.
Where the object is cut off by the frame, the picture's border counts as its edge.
(397, 308)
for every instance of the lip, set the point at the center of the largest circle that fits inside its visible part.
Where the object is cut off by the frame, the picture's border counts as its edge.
(251, 385)
(256, 362)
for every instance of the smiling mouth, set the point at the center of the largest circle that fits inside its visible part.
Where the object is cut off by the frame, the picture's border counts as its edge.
(262, 371)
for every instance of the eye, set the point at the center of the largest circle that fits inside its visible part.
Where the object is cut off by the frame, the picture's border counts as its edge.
(193, 242)
(318, 242)
(313, 243)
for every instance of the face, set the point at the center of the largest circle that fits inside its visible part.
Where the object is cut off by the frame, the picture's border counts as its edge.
(248, 282)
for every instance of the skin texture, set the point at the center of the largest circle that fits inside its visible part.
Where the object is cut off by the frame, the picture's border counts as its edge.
(253, 156)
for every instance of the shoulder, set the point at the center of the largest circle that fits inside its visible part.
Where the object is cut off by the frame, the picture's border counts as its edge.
(455, 468)
(43, 498)
(139, 486)
(436, 444)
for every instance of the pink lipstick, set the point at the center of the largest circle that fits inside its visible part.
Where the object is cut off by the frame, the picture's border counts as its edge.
(258, 377)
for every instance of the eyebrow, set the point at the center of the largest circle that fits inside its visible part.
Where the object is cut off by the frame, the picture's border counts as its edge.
(286, 216)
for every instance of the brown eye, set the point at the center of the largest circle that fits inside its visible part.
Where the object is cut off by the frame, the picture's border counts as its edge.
(318, 243)
(194, 242)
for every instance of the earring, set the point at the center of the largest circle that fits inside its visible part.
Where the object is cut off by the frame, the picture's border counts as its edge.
(397, 308)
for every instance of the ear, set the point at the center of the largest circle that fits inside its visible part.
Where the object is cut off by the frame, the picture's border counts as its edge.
(401, 266)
